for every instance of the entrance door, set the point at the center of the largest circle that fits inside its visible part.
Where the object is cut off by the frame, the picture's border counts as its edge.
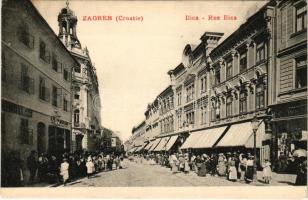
(41, 138)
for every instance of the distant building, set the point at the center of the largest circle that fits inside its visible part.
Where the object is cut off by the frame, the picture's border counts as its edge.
(36, 85)
(86, 96)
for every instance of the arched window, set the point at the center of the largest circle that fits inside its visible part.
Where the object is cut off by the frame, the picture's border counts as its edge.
(260, 100)
(76, 117)
(229, 106)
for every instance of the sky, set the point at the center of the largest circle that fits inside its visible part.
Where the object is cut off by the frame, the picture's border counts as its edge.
(132, 58)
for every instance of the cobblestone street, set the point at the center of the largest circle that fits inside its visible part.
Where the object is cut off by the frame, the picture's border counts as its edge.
(137, 174)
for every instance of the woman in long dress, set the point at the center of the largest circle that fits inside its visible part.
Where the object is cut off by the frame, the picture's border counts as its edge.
(249, 170)
(232, 176)
(221, 167)
(186, 164)
(174, 163)
(64, 170)
(267, 171)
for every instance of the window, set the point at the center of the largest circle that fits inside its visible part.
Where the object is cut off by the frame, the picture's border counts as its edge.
(301, 17)
(243, 61)
(190, 92)
(26, 83)
(203, 85)
(229, 106)
(66, 75)
(243, 102)
(77, 69)
(203, 115)
(190, 117)
(76, 117)
(217, 76)
(301, 72)
(26, 134)
(229, 69)
(25, 37)
(57, 66)
(179, 98)
(44, 54)
(260, 52)
(65, 104)
(77, 93)
(180, 120)
(216, 111)
(43, 91)
(56, 96)
(260, 96)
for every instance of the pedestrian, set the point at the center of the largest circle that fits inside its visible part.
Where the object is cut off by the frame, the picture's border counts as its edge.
(174, 163)
(242, 166)
(32, 166)
(267, 171)
(64, 171)
(90, 167)
(186, 164)
(232, 176)
(221, 167)
(301, 172)
(249, 169)
(53, 170)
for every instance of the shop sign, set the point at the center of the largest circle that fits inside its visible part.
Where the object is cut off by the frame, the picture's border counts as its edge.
(58, 122)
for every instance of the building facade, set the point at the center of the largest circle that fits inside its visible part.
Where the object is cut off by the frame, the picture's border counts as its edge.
(259, 72)
(86, 96)
(289, 79)
(36, 84)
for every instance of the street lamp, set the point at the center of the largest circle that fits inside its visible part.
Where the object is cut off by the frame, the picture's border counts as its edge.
(254, 126)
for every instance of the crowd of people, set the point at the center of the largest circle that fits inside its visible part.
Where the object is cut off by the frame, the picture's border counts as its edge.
(233, 166)
(61, 169)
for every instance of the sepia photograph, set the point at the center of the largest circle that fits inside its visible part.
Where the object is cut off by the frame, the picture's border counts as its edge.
(169, 94)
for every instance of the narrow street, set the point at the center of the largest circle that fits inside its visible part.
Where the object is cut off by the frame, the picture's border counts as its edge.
(138, 175)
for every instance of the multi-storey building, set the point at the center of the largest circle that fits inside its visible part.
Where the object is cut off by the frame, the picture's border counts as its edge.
(258, 72)
(86, 96)
(36, 84)
(289, 79)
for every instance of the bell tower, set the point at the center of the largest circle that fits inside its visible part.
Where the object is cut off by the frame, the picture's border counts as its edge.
(67, 27)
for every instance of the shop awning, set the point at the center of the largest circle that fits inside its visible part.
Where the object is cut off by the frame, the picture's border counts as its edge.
(242, 135)
(203, 139)
(155, 143)
(149, 145)
(171, 142)
(132, 149)
(209, 137)
(192, 139)
(161, 146)
(138, 149)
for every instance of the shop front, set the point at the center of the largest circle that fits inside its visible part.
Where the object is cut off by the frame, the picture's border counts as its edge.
(290, 133)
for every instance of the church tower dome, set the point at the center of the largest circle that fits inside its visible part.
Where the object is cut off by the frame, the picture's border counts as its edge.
(67, 27)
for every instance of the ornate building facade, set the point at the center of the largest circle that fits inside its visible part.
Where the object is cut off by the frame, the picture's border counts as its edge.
(86, 97)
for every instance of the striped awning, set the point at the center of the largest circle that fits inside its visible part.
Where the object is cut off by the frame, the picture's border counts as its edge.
(155, 143)
(161, 146)
(171, 142)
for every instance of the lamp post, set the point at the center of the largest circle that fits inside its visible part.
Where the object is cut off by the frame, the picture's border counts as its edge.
(254, 126)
